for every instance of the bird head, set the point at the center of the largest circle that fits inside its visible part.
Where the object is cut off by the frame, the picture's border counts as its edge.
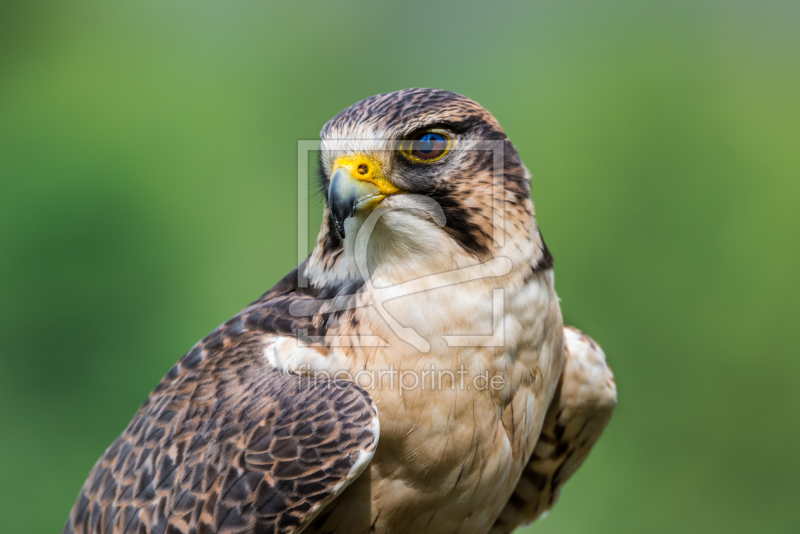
(409, 150)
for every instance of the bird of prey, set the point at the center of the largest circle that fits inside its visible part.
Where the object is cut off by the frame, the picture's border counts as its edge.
(413, 374)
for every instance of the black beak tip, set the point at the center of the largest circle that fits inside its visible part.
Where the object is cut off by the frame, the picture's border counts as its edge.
(338, 226)
(341, 209)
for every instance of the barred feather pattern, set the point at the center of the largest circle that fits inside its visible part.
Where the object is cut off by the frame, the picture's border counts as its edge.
(228, 444)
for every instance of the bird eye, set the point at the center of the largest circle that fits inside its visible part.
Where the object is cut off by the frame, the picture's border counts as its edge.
(427, 146)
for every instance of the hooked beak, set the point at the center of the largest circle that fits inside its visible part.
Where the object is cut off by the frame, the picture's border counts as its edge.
(356, 186)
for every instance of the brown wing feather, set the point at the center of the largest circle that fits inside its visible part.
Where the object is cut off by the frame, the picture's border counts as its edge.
(574, 422)
(227, 444)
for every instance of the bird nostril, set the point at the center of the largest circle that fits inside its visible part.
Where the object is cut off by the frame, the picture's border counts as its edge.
(363, 169)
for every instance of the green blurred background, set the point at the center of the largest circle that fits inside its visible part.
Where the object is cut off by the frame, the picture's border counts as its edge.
(148, 164)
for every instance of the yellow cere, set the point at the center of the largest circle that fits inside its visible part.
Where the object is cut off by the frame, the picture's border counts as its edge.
(366, 169)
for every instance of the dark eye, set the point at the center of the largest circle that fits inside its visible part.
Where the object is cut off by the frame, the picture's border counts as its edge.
(428, 146)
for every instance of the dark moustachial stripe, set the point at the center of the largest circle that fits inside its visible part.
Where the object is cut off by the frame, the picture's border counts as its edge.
(460, 224)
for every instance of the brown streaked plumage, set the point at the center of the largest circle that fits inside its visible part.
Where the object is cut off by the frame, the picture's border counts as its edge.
(227, 444)
(255, 431)
(576, 419)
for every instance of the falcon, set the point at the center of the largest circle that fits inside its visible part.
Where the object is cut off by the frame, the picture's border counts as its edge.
(413, 374)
